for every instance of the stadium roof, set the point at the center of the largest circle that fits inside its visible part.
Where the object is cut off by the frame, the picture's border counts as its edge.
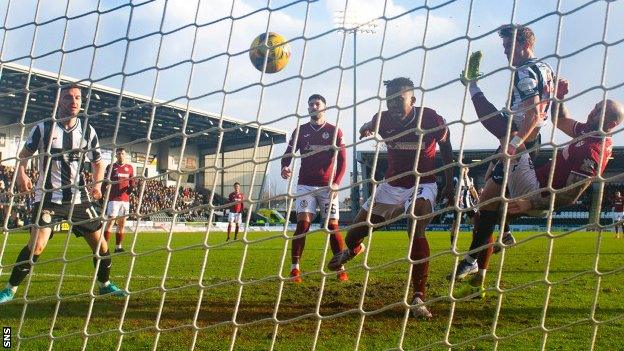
(202, 127)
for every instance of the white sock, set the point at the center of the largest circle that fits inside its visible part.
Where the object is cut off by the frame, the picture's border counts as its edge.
(103, 285)
(469, 259)
(118, 246)
(13, 288)
(474, 89)
(294, 265)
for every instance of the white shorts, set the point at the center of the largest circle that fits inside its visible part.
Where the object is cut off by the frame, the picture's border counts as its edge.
(117, 209)
(235, 218)
(308, 202)
(399, 199)
(523, 180)
(618, 216)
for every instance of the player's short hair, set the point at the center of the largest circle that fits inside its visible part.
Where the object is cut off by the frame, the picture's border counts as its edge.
(71, 86)
(120, 149)
(524, 34)
(399, 82)
(237, 183)
(317, 97)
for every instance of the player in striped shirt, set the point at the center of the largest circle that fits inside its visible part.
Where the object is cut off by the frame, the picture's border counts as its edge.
(468, 199)
(533, 86)
(574, 167)
(61, 189)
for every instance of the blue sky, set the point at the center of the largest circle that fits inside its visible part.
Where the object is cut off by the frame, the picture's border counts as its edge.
(394, 50)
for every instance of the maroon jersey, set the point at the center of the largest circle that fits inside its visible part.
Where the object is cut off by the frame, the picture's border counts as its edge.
(237, 200)
(316, 165)
(402, 150)
(581, 157)
(121, 173)
(618, 204)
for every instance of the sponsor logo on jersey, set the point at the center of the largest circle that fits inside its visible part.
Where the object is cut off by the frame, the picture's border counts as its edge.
(403, 145)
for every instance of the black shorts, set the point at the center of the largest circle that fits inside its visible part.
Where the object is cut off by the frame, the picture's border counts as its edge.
(53, 214)
(468, 214)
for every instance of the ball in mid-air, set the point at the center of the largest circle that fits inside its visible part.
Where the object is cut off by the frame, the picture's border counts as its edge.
(276, 49)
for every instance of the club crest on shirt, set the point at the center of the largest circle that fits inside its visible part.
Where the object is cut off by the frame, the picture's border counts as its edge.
(303, 203)
(325, 135)
(46, 216)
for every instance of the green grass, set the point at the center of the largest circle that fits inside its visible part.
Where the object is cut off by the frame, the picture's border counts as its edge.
(521, 307)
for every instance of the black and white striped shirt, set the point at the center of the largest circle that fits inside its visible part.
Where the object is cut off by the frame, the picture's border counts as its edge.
(68, 149)
(466, 199)
(533, 78)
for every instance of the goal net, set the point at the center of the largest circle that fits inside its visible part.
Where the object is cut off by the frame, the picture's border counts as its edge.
(171, 83)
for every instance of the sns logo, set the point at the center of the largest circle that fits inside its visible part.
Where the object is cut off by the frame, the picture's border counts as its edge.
(6, 337)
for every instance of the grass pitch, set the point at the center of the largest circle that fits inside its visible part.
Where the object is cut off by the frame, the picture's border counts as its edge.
(572, 289)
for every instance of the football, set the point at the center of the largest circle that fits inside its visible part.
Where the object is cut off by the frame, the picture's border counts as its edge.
(276, 49)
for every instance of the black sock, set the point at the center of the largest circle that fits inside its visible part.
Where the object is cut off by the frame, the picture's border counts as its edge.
(20, 271)
(483, 229)
(103, 274)
(506, 229)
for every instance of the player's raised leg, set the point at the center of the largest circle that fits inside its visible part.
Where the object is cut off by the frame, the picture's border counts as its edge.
(354, 240)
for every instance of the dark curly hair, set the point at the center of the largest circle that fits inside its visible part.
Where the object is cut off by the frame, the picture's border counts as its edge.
(399, 82)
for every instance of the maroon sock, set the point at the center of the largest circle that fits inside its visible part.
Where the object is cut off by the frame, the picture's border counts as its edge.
(420, 271)
(335, 240)
(299, 243)
(119, 236)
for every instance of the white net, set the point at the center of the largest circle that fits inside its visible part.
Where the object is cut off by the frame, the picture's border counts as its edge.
(150, 71)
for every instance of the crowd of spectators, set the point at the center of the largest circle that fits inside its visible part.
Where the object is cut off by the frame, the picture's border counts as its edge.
(157, 198)
(20, 212)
